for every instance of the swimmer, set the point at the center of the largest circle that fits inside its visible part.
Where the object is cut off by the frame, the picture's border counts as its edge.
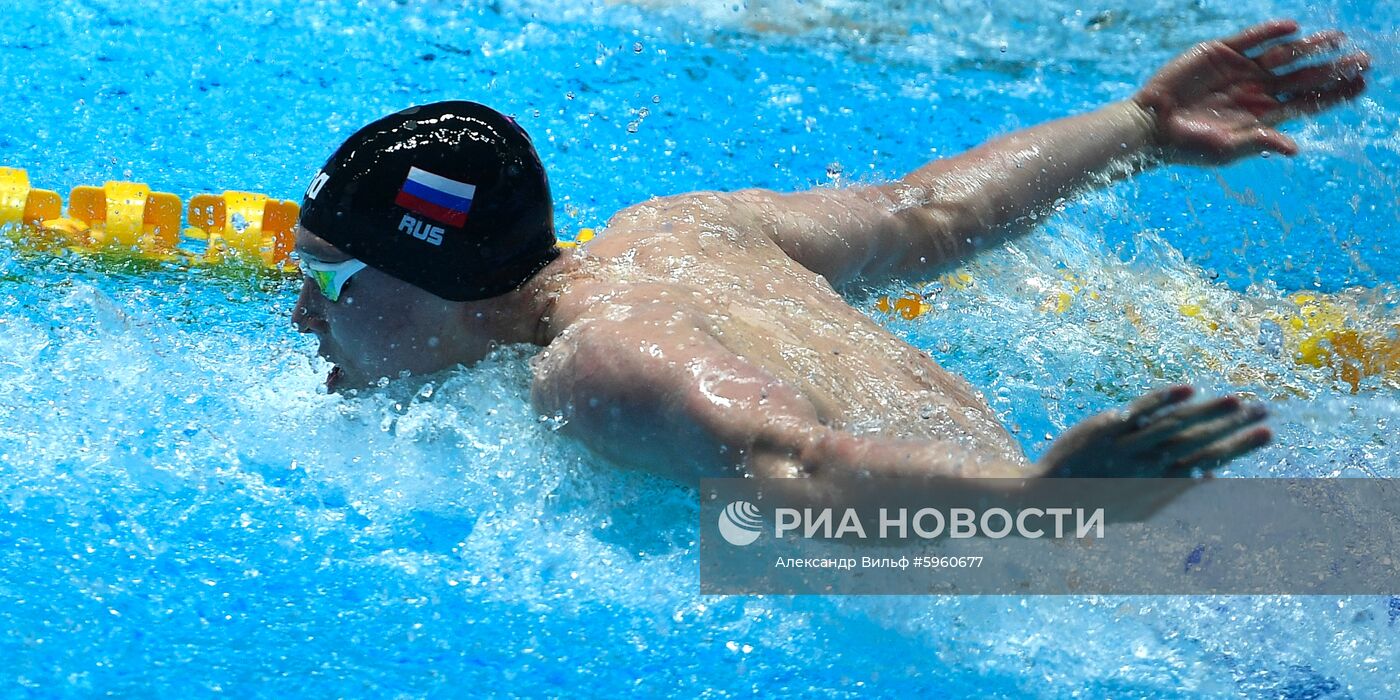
(702, 334)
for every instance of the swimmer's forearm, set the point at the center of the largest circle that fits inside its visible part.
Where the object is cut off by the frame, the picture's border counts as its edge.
(1000, 189)
(821, 451)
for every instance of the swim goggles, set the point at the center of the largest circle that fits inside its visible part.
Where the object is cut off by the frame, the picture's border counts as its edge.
(330, 277)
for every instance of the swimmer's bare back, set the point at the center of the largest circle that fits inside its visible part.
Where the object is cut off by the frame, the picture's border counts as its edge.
(701, 335)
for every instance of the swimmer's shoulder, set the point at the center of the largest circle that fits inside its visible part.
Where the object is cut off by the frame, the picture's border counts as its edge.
(684, 223)
(603, 319)
(621, 352)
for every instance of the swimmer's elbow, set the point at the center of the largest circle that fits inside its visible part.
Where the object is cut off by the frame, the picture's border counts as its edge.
(777, 462)
(919, 239)
(793, 451)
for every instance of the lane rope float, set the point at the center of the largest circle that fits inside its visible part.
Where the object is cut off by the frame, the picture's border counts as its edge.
(129, 218)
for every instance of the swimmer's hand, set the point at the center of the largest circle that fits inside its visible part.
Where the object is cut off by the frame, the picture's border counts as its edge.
(1221, 100)
(1159, 435)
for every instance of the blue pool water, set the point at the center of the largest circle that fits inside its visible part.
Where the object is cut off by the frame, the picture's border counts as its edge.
(182, 511)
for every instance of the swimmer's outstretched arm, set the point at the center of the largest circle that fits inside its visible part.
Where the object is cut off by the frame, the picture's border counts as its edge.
(1220, 101)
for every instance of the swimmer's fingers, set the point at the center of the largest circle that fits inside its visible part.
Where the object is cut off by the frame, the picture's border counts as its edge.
(1315, 101)
(1142, 411)
(1258, 139)
(1181, 417)
(1322, 76)
(1284, 54)
(1260, 33)
(1222, 452)
(1190, 447)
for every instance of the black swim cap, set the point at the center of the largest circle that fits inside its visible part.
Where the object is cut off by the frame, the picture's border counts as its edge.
(449, 197)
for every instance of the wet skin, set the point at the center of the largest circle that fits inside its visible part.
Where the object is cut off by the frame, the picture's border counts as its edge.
(701, 334)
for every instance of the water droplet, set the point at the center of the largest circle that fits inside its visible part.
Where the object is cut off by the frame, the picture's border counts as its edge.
(637, 47)
(1271, 337)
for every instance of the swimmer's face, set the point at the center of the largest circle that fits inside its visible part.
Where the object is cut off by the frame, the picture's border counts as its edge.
(379, 326)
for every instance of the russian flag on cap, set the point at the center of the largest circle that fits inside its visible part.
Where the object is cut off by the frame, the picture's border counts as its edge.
(436, 197)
